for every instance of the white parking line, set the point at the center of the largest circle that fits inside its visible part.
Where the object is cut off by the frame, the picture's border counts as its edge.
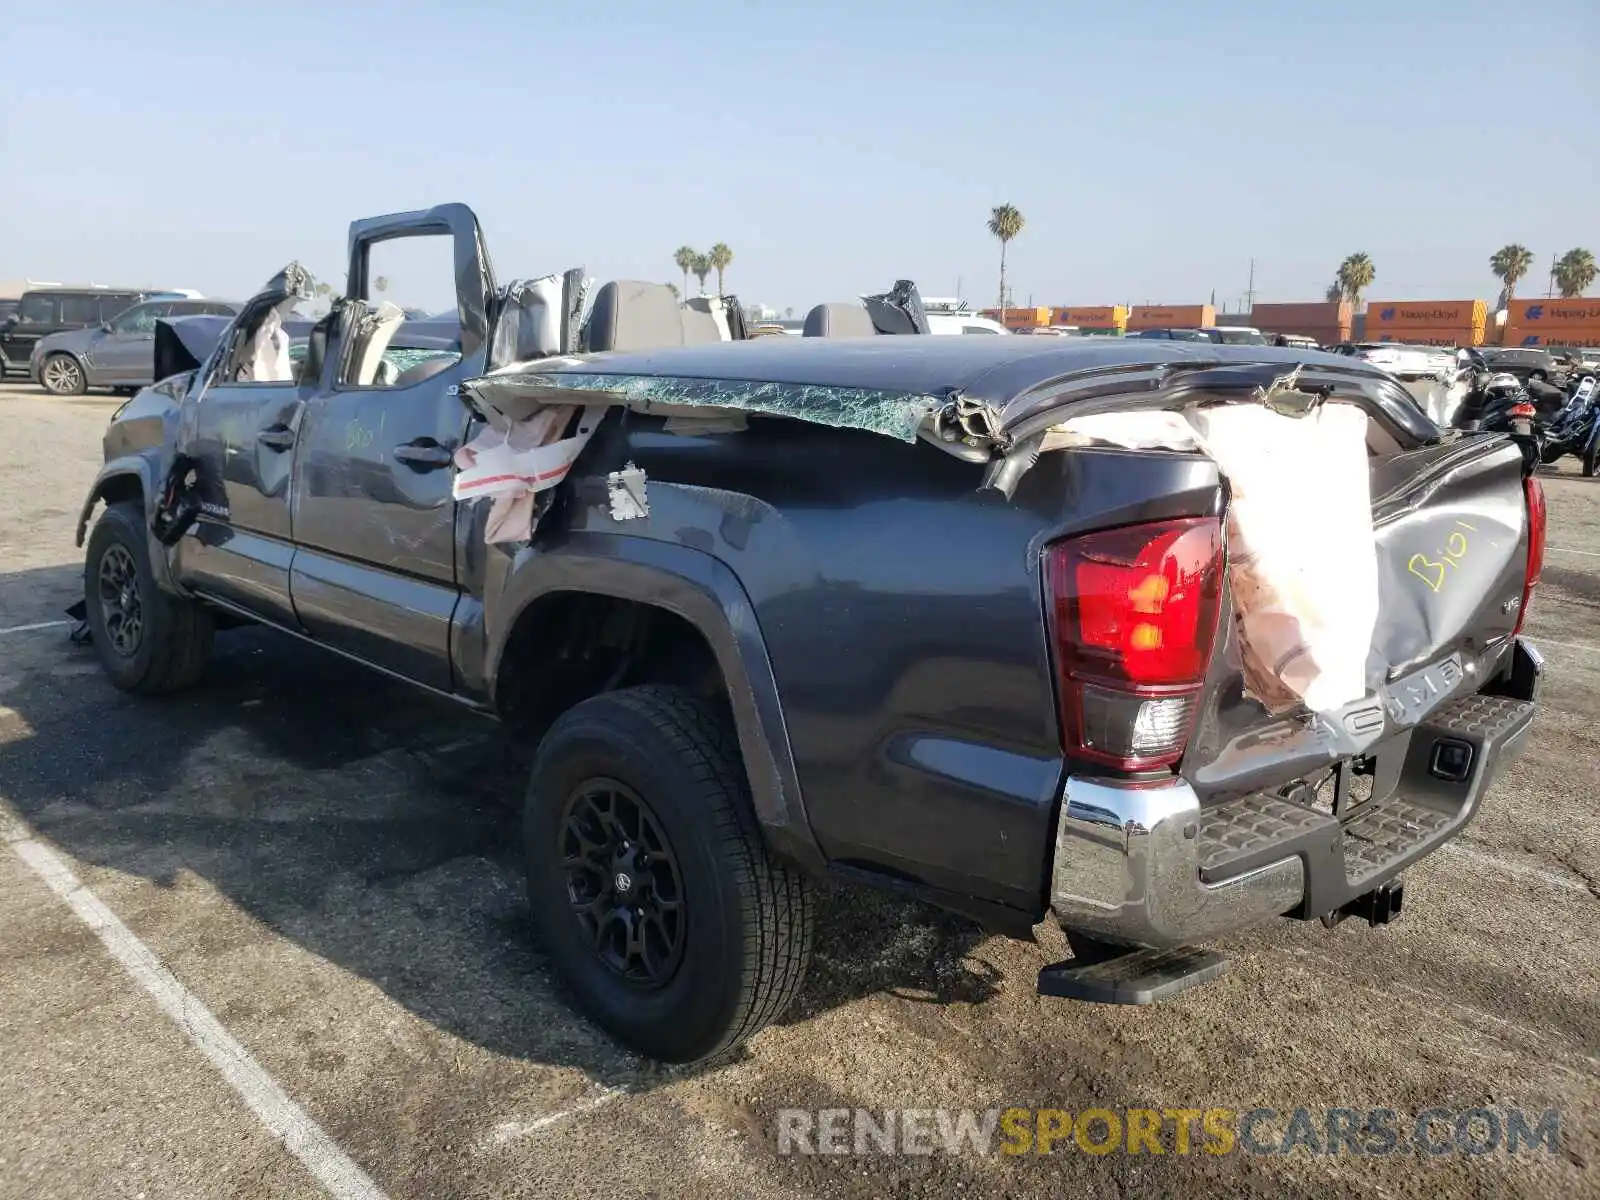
(512, 1131)
(1567, 550)
(1518, 870)
(1544, 641)
(34, 628)
(289, 1123)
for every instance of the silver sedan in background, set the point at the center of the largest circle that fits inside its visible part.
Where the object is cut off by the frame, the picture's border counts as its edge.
(119, 353)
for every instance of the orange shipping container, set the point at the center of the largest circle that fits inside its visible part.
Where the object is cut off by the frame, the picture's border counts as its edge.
(1172, 316)
(1093, 316)
(1019, 318)
(1537, 335)
(1385, 316)
(1279, 317)
(1449, 335)
(1550, 314)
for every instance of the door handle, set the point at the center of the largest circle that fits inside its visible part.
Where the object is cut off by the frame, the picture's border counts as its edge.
(278, 437)
(424, 454)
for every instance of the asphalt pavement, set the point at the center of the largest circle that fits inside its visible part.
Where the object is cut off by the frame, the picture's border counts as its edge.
(269, 939)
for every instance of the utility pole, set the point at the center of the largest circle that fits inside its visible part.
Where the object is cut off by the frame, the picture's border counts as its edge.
(1250, 294)
(1550, 292)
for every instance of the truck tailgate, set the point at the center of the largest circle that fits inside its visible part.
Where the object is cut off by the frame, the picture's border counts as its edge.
(1452, 533)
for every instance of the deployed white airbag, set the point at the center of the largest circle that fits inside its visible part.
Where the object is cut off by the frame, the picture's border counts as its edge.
(268, 360)
(512, 466)
(1302, 559)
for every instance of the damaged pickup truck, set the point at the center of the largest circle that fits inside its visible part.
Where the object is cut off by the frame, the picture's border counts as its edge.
(1154, 639)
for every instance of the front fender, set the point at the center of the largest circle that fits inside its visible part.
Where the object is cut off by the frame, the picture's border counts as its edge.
(117, 481)
(702, 590)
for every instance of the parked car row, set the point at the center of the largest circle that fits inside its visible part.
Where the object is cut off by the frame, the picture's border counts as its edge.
(71, 339)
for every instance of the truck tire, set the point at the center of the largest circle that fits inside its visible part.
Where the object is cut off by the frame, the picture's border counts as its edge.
(650, 886)
(148, 641)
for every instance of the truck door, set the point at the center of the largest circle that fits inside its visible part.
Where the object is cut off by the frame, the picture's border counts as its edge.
(240, 426)
(375, 568)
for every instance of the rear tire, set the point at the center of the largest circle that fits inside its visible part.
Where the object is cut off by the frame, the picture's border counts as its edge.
(668, 766)
(1591, 461)
(148, 641)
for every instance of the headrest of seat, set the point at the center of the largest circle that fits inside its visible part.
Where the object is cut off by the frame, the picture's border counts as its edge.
(838, 320)
(630, 314)
(701, 325)
(426, 369)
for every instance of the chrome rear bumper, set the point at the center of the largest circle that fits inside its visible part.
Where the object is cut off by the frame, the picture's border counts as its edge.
(1147, 866)
(1127, 869)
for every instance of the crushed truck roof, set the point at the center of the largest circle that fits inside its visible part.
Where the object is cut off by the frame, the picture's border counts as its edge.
(992, 370)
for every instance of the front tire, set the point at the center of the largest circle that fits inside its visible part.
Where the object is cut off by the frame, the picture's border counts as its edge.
(650, 886)
(62, 375)
(149, 642)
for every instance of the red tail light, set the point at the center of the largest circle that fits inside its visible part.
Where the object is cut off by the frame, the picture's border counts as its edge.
(1523, 409)
(1534, 491)
(1133, 614)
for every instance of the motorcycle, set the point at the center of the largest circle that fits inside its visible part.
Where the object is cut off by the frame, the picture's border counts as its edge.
(1497, 402)
(1575, 428)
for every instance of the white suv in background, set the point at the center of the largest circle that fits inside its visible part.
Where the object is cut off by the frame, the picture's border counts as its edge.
(1398, 358)
(962, 322)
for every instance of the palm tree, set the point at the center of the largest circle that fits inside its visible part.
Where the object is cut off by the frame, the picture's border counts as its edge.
(1355, 275)
(1510, 264)
(1574, 272)
(1335, 292)
(676, 294)
(381, 283)
(701, 268)
(1005, 222)
(684, 257)
(720, 259)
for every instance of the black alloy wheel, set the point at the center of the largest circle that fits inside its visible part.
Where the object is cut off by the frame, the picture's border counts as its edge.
(623, 882)
(121, 604)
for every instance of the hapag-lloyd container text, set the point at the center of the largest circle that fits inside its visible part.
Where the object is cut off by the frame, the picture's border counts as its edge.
(1526, 314)
(1091, 316)
(1385, 315)
(1172, 316)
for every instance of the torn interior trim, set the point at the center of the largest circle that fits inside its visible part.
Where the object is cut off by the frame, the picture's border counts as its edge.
(894, 414)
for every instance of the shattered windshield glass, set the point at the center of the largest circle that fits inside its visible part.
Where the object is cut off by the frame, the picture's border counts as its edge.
(894, 414)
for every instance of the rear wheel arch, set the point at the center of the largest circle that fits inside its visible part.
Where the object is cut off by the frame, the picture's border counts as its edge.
(692, 628)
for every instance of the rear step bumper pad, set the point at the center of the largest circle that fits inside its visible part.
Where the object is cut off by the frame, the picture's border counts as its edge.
(1147, 866)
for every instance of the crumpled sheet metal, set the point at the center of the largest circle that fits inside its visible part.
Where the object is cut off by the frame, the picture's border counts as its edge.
(893, 414)
(1302, 556)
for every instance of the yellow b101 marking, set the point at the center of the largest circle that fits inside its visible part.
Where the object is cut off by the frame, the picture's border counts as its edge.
(1432, 571)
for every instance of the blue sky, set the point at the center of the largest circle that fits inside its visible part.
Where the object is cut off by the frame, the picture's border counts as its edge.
(1153, 148)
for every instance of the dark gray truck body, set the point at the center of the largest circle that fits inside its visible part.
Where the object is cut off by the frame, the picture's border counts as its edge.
(873, 613)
